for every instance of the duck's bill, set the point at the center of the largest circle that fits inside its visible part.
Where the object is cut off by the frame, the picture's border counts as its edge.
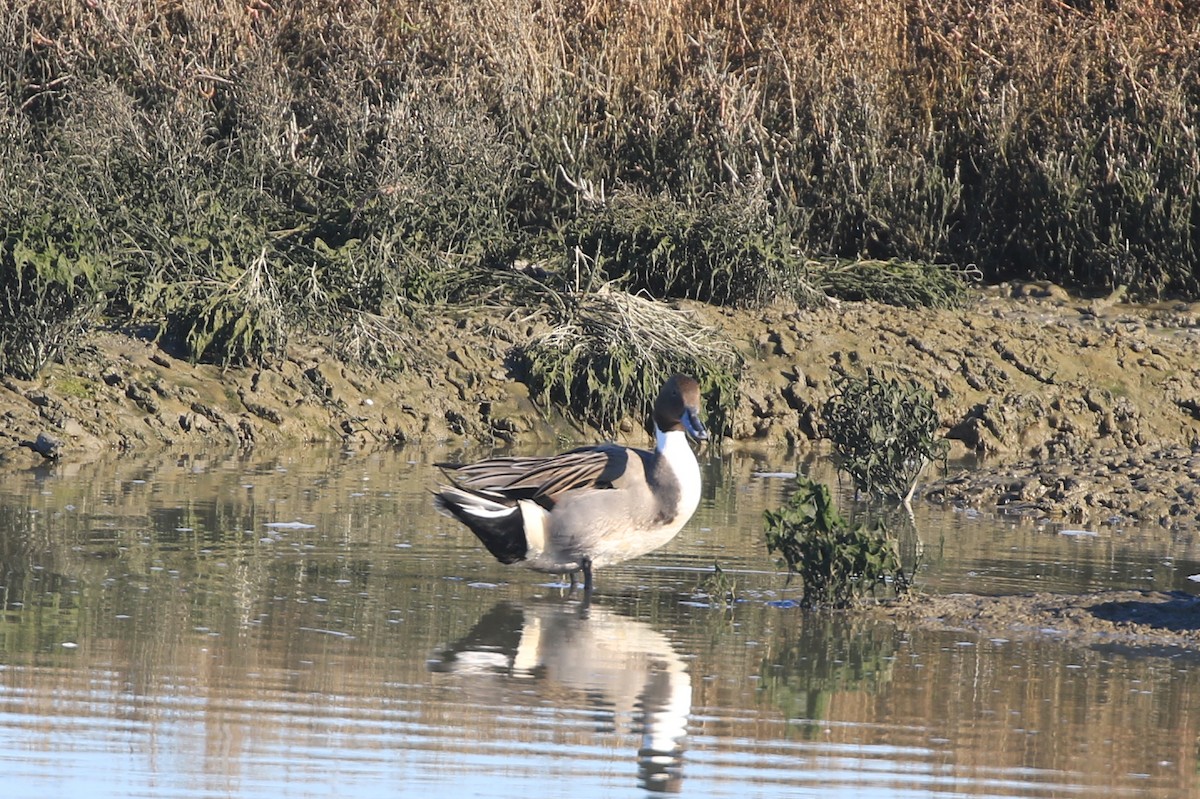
(693, 426)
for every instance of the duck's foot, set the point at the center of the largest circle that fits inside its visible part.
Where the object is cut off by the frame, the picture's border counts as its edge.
(586, 568)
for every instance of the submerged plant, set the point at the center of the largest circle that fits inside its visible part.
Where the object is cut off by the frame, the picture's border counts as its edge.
(719, 587)
(884, 431)
(838, 564)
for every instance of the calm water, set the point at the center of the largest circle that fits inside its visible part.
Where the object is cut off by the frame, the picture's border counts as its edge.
(305, 625)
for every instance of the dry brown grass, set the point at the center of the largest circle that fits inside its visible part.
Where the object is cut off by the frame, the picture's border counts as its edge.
(370, 149)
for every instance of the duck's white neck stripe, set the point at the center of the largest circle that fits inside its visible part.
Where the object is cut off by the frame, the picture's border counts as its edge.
(674, 448)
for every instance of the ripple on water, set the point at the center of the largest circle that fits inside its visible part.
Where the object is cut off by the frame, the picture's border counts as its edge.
(368, 647)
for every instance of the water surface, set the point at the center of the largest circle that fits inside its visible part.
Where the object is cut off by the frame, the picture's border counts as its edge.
(305, 625)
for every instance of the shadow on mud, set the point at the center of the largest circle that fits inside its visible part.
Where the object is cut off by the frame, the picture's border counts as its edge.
(1179, 613)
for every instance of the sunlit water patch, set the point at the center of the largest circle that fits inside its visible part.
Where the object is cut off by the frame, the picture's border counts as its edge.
(305, 625)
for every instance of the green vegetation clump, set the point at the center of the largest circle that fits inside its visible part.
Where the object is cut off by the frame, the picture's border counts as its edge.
(611, 352)
(49, 291)
(895, 282)
(726, 250)
(720, 589)
(837, 563)
(884, 432)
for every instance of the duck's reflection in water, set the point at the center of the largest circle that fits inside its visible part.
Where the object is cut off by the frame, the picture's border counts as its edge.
(623, 669)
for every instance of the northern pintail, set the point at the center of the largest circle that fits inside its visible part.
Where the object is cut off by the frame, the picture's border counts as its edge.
(589, 507)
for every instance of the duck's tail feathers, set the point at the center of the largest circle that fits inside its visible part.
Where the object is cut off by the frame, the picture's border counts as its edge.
(498, 523)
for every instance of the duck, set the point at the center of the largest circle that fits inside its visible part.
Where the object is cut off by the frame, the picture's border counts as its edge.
(589, 507)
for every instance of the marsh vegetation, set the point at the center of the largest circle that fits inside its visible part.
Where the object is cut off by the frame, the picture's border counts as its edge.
(839, 564)
(237, 175)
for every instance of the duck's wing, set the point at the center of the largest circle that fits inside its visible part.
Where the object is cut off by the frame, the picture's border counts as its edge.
(543, 479)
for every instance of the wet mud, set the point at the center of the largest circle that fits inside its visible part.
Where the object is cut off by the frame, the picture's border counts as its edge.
(1165, 623)
(1082, 410)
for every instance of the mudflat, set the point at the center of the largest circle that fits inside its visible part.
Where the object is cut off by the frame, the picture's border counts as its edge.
(1085, 410)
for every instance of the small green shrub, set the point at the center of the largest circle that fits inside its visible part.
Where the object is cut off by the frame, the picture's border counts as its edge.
(48, 291)
(838, 564)
(884, 431)
(237, 317)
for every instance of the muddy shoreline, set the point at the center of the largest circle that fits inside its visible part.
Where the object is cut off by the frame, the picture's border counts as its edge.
(1081, 410)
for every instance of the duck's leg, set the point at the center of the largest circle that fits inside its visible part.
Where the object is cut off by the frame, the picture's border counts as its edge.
(574, 582)
(586, 566)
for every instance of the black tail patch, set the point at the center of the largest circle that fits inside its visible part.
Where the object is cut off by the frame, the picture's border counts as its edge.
(504, 536)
